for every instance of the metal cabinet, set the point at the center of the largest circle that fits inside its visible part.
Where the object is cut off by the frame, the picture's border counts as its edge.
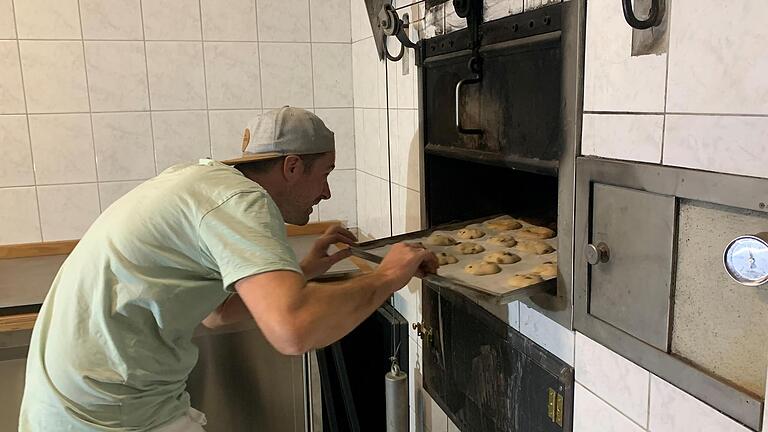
(649, 280)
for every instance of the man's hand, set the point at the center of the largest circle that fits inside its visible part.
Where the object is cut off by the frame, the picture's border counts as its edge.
(317, 260)
(406, 260)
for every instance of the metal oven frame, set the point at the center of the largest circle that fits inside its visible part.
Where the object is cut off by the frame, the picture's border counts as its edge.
(724, 189)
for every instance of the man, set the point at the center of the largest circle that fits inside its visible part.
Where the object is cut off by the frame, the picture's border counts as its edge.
(111, 349)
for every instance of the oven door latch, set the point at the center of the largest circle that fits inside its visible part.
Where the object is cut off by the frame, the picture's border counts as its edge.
(423, 331)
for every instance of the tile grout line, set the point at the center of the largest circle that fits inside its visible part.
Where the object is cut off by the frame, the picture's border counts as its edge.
(690, 114)
(29, 128)
(157, 40)
(205, 79)
(648, 413)
(90, 108)
(610, 405)
(354, 121)
(160, 110)
(149, 91)
(666, 86)
(312, 69)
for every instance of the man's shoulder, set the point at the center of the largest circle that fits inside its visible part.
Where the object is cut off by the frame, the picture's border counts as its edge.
(214, 182)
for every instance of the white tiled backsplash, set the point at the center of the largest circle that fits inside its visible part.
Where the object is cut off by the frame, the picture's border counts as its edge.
(98, 95)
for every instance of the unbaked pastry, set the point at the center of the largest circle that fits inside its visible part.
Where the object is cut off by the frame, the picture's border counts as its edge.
(537, 247)
(523, 280)
(504, 223)
(444, 258)
(546, 270)
(535, 232)
(503, 257)
(469, 248)
(504, 239)
(469, 233)
(440, 240)
(482, 268)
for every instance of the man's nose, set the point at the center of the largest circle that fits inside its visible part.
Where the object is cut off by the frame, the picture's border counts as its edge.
(326, 192)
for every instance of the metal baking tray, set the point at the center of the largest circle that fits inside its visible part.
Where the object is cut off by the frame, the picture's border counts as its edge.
(491, 288)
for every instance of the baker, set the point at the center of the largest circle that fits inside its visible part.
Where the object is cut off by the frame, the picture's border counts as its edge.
(204, 242)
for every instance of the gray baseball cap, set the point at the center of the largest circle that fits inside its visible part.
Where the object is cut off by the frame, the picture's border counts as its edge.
(284, 131)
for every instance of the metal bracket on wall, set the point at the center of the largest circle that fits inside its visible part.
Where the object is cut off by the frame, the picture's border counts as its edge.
(392, 25)
(655, 15)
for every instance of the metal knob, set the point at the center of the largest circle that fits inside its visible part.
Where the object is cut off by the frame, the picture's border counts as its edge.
(597, 254)
(423, 331)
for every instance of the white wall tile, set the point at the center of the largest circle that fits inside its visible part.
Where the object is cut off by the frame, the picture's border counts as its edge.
(673, 410)
(286, 75)
(405, 152)
(62, 147)
(283, 20)
(365, 68)
(719, 71)
(370, 151)
(613, 378)
(7, 20)
(332, 75)
(176, 75)
(343, 203)
(227, 132)
(590, 414)
(19, 216)
(406, 210)
(180, 136)
(408, 302)
(111, 191)
(406, 83)
(16, 163)
(117, 76)
(124, 149)
(47, 19)
(434, 21)
(330, 20)
(360, 25)
(111, 19)
(623, 136)
(372, 206)
(435, 419)
(229, 20)
(232, 75)
(341, 122)
(614, 80)
(66, 211)
(415, 380)
(12, 90)
(736, 145)
(54, 76)
(171, 19)
(452, 427)
(550, 335)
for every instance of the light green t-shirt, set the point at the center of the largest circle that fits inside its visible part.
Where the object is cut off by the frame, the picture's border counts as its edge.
(111, 349)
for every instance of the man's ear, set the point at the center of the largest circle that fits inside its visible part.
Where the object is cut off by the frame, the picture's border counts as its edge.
(292, 167)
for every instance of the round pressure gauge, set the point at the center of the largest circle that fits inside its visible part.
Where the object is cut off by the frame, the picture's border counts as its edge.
(746, 259)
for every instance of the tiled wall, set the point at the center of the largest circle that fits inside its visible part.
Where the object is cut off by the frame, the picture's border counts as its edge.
(703, 105)
(98, 95)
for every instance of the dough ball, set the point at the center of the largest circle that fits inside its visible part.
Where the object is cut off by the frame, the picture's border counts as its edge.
(546, 270)
(482, 268)
(469, 233)
(469, 248)
(504, 223)
(504, 239)
(444, 258)
(501, 258)
(523, 280)
(535, 233)
(440, 240)
(534, 246)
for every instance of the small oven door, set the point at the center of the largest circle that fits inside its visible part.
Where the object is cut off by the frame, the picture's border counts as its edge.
(649, 280)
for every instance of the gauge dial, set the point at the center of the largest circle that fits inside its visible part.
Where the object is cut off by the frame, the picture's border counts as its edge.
(746, 259)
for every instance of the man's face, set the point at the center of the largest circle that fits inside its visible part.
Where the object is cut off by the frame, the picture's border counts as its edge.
(309, 188)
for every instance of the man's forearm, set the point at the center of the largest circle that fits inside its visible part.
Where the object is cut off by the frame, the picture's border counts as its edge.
(332, 310)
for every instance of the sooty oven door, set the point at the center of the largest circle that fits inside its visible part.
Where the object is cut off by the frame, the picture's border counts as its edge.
(509, 110)
(650, 284)
(487, 376)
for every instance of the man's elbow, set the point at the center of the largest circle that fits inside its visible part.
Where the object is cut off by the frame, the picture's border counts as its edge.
(290, 340)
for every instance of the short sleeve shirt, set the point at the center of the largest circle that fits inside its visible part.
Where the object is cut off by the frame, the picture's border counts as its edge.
(111, 349)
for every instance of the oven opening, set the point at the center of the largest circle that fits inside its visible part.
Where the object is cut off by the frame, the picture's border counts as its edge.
(459, 190)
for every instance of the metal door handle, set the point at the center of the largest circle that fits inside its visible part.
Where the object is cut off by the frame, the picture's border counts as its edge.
(597, 254)
(459, 127)
(654, 15)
